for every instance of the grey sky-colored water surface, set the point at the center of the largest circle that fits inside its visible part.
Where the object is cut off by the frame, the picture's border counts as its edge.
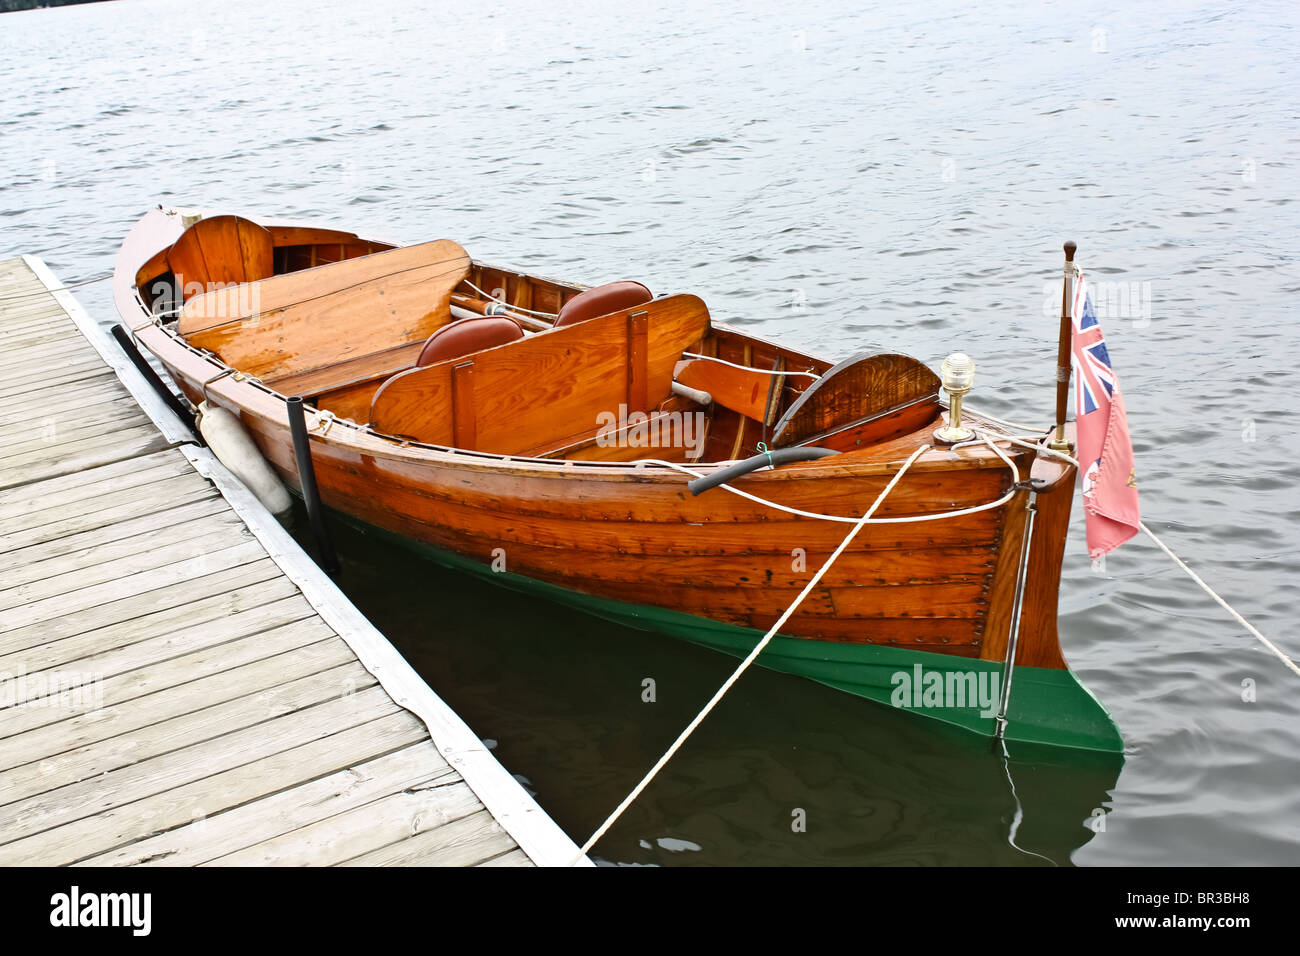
(840, 176)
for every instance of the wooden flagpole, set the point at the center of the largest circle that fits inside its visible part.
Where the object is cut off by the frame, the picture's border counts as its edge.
(1063, 351)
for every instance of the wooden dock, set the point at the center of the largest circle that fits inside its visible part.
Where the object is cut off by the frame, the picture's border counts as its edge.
(179, 683)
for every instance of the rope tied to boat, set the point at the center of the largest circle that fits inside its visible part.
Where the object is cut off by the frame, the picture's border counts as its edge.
(1236, 615)
(986, 436)
(515, 308)
(749, 368)
(848, 519)
(324, 420)
(858, 525)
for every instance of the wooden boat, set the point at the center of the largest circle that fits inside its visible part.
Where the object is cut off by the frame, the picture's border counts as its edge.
(514, 425)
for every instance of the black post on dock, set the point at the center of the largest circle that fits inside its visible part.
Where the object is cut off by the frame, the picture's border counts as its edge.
(310, 493)
(166, 394)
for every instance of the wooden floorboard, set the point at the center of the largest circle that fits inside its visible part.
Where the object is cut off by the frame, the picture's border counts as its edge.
(179, 688)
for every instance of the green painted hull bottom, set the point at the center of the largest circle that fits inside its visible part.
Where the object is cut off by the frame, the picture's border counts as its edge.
(1048, 707)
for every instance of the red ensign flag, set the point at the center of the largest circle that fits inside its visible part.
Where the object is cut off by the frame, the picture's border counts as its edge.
(1110, 494)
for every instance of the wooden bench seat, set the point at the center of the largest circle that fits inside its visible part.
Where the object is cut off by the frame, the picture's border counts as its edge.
(541, 390)
(345, 375)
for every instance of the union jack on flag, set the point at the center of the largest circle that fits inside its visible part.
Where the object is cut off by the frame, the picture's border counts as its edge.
(1105, 449)
(1090, 357)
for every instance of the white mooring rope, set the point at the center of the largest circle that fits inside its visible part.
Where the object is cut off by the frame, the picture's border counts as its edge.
(1179, 561)
(744, 665)
(858, 523)
(845, 519)
(1222, 603)
(748, 368)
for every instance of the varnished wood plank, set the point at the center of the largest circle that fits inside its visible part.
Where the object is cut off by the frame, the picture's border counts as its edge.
(741, 390)
(464, 414)
(638, 360)
(223, 250)
(301, 321)
(859, 388)
(364, 368)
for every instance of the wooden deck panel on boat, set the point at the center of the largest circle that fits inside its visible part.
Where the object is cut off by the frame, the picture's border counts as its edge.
(312, 319)
(189, 695)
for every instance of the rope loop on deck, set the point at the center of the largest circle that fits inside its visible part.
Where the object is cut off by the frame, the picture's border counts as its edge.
(858, 525)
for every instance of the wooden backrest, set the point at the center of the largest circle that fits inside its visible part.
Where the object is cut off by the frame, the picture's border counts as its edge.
(221, 251)
(743, 390)
(854, 391)
(548, 387)
(315, 318)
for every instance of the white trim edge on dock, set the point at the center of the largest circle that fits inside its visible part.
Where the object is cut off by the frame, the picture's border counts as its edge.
(503, 796)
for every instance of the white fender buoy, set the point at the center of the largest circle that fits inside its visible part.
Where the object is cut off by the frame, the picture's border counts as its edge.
(235, 449)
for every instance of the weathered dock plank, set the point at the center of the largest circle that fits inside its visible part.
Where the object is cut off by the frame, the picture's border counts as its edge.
(179, 684)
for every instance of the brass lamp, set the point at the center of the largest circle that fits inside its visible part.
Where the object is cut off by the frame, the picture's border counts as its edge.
(958, 376)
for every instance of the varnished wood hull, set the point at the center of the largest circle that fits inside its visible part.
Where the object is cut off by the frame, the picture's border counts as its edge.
(630, 542)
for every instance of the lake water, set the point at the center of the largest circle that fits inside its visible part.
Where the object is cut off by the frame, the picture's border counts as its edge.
(841, 177)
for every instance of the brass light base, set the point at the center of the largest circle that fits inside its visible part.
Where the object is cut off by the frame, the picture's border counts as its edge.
(949, 435)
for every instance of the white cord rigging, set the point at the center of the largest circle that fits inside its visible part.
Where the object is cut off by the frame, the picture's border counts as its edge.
(514, 308)
(859, 523)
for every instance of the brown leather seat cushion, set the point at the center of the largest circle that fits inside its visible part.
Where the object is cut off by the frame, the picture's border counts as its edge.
(468, 335)
(602, 300)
